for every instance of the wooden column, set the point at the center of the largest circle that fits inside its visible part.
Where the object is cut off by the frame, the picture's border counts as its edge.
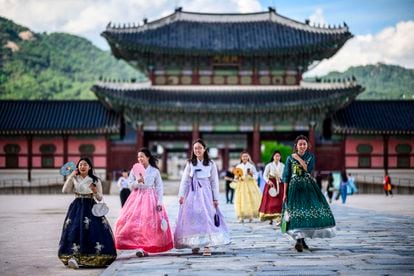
(312, 136)
(225, 157)
(65, 151)
(165, 161)
(385, 154)
(196, 132)
(140, 137)
(30, 157)
(256, 143)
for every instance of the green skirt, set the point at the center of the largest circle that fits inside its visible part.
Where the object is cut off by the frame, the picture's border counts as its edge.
(309, 213)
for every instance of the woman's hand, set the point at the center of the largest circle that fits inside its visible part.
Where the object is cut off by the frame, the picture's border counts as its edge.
(270, 183)
(93, 188)
(140, 179)
(215, 203)
(181, 200)
(74, 173)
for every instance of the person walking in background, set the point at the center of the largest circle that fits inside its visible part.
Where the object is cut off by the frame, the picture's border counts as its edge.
(248, 197)
(387, 185)
(229, 177)
(86, 240)
(200, 222)
(343, 186)
(352, 184)
(143, 223)
(123, 185)
(309, 215)
(271, 205)
(330, 188)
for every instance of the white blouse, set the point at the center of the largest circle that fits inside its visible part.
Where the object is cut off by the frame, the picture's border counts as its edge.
(152, 179)
(201, 172)
(80, 185)
(246, 166)
(274, 170)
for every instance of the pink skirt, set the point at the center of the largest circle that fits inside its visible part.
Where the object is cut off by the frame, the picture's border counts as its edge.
(139, 225)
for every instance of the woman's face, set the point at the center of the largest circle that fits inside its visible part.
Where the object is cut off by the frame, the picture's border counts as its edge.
(276, 157)
(143, 159)
(302, 146)
(245, 158)
(83, 167)
(199, 150)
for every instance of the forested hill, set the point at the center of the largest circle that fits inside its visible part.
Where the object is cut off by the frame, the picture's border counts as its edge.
(381, 81)
(53, 66)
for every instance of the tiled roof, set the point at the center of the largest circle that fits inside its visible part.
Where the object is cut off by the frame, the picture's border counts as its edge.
(197, 33)
(375, 117)
(57, 117)
(227, 99)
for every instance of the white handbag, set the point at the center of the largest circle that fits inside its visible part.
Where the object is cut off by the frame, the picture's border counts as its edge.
(100, 209)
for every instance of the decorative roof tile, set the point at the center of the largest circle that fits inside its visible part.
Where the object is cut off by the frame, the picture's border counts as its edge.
(375, 117)
(199, 33)
(57, 118)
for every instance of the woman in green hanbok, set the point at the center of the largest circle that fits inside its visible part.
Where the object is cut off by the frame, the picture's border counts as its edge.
(308, 212)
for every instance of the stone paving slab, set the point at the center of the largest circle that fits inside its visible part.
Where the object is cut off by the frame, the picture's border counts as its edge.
(368, 242)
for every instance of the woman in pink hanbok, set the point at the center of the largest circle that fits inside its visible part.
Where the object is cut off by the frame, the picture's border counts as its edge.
(143, 224)
(200, 222)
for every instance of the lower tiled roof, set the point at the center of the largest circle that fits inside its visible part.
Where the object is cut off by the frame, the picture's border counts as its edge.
(57, 117)
(375, 117)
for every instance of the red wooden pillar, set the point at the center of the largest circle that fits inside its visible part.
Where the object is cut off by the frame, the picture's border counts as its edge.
(312, 136)
(385, 154)
(30, 157)
(65, 151)
(196, 132)
(140, 137)
(225, 157)
(256, 143)
(165, 161)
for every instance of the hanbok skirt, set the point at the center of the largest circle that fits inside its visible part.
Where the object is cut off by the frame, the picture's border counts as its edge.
(195, 225)
(139, 224)
(247, 199)
(309, 213)
(86, 238)
(271, 207)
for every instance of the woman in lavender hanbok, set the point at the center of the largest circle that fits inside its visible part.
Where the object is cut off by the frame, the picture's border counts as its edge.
(200, 222)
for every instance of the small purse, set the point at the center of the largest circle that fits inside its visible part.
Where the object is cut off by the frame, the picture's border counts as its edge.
(100, 209)
(285, 219)
(216, 220)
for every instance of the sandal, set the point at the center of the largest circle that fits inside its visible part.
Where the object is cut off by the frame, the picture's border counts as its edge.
(207, 251)
(141, 253)
(195, 250)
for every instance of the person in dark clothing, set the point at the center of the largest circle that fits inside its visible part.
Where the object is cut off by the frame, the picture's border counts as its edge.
(229, 191)
(330, 189)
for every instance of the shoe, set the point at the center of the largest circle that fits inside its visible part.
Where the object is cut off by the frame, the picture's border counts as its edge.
(271, 222)
(305, 246)
(72, 263)
(250, 220)
(299, 245)
(241, 220)
(207, 251)
(141, 253)
(195, 251)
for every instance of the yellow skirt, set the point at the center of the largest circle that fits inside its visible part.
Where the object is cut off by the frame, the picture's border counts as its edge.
(247, 199)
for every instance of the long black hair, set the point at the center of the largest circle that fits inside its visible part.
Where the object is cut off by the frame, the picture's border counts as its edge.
(344, 176)
(206, 157)
(301, 137)
(90, 171)
(152, 159)
(273, 155)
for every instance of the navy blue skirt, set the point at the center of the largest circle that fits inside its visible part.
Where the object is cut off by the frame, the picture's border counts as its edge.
(86, 238)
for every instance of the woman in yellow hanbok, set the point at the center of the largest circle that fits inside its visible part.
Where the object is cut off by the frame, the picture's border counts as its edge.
(247, 195)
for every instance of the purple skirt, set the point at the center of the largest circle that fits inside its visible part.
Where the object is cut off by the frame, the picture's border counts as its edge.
(195, 225)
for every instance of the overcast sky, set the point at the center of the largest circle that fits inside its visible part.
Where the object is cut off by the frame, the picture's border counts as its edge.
(383, 29)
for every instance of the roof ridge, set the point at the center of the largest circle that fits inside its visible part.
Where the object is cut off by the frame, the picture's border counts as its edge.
(269, 16)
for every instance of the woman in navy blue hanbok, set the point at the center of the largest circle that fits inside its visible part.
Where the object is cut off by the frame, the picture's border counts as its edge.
(86, 240)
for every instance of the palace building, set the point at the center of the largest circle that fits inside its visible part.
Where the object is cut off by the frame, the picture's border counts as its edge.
(234, 80)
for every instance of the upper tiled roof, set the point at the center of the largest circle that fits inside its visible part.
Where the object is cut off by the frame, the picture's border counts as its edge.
(199, 33)
(57, 117)
(227, 99)
(375, 117)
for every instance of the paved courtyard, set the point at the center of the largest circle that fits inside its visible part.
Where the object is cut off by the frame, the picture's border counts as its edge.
(375, 236)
